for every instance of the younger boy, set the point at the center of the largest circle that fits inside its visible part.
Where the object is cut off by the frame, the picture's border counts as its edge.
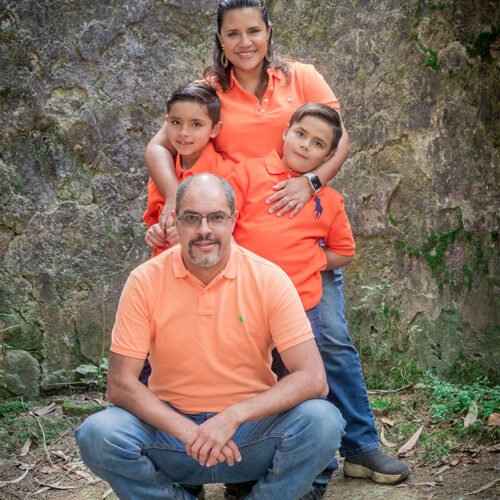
(294, 243)
(193, 116)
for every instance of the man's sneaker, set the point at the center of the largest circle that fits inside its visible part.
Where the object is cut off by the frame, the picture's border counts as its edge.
(377, 466)
(316, 492)
(238, 491)
(319, 486)
(197, 490)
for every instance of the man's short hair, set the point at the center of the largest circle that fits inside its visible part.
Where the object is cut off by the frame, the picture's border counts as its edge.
(201, 93)
(226, 187)
(323, 112)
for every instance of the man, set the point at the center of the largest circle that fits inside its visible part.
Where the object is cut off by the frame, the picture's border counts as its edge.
(209, 313)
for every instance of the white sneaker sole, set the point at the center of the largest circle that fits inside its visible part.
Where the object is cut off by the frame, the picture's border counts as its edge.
(354, 470)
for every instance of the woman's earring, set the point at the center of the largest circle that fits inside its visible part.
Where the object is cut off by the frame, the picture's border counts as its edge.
(269, 55)
(223, 59)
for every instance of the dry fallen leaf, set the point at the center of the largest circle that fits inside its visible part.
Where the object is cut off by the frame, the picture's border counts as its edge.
(384, 441)
(26, 447)
(107, 493)
(442, 469)
(493, 449)
(431, 484)
(388, 421)
(411, 442)
(471, 416)
(60, 454)
(85, 475)
(454, 462)
(494, 420)
(485, 487)
(17, 480)
(50, 470)
(46, 410)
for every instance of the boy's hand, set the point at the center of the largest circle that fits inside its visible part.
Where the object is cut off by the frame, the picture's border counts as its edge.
(167, 216)
(156, 236)
(292, 194)
(172, 236)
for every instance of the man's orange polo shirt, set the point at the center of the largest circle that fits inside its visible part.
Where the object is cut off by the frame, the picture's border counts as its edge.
(291, 243)
(209, 162)
(210, 345)
(251, 127)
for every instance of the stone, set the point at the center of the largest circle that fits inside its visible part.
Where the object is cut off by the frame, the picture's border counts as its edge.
(23, 374)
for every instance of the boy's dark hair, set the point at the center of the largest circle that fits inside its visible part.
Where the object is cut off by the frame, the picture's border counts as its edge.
(325, 113)
(201, 93)
(221, 74)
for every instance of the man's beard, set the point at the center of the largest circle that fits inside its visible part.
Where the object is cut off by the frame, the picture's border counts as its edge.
(205, 261)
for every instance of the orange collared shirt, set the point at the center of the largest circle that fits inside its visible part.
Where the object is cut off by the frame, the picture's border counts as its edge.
(251, 127)
(291, 243)
(209, 162)
(210, 345)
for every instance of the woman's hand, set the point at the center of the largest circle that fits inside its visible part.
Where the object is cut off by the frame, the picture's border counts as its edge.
(292, 194)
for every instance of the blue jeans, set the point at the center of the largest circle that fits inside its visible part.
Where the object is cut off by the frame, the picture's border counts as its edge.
(283, 453)
(343, 370)
(315, 319)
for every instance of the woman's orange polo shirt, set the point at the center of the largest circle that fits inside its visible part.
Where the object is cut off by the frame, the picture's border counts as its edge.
(251, 127)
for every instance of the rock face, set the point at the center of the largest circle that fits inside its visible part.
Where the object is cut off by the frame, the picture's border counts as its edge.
(83, 87)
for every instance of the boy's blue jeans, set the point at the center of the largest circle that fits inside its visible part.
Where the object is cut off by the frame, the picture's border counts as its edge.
(283, 453)
(343, 370)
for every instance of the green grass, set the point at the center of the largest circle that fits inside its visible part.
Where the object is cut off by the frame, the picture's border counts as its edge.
(17, 425)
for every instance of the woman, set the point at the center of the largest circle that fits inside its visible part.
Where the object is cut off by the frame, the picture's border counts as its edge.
(259, 92)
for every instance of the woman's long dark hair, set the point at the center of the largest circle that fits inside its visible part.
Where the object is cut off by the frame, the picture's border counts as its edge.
(217, 71)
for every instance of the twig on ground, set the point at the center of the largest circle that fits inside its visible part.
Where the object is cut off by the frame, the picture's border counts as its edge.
(56, 486)
(390, 391)
(47, 454)
(57, 439)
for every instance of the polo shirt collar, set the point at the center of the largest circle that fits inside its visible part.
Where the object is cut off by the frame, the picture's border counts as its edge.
(274, 164)
(207, 157)
(180, 270)
(272, 72)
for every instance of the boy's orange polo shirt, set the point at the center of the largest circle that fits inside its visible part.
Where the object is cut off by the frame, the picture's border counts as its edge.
(292, 243)
(210, 345)
(209, 162)
(251, 127)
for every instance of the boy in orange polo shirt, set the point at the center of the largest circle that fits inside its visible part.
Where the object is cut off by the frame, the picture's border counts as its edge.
(320, 235)
(193, 116)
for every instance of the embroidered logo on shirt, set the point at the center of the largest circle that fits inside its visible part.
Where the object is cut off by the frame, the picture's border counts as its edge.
(318, 208)
(240, 318)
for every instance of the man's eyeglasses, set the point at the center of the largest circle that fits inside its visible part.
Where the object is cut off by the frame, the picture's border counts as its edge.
(214, 219)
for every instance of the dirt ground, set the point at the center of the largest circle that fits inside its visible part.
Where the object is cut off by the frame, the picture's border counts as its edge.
(52, 469)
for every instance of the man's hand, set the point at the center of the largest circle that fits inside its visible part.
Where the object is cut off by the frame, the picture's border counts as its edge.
(156, 236)
(211, 442)
(292, 194)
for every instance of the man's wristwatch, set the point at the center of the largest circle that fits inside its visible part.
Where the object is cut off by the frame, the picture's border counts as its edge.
(314, 181)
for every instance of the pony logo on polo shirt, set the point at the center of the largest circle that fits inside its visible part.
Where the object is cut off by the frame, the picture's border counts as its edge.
(318, 208)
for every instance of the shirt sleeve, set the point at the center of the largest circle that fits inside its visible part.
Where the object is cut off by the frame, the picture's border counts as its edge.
(340, 239)
(314, 86)
(131, 331)
(288, 322)
(155, 206)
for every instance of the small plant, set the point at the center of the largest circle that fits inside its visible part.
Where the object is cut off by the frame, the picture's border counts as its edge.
(94, 375)
(451, 400)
